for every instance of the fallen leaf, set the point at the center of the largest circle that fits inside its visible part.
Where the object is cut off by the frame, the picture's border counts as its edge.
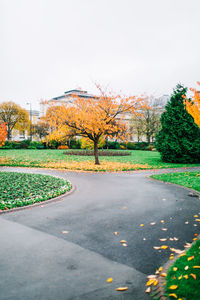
(65, 232)
(175, 268)
(185, 276)
(153, 223)
(163, 274)
(173, 287)
(180, 277)
(148, 290)
(115, 233)
(194, 276)
(160, 269)
(186, 222)
(151, 276)
(123, 242)
(156, 248)
(196, 216)
(164, 247)
(190, 258)
(186, 268)
(141, 225)
(150, 282)
(194, 239)
(196, 267)
(176, 239)
(163, 240)
(164, 229)
(171, 239)
(197, 220)
(162, 221)
(173, 295)
(109, 280)
(122, 288)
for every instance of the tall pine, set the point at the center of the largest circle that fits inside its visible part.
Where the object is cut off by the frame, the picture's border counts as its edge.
(179, 137)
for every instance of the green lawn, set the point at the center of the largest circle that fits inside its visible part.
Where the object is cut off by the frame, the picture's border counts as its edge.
(188, 179)
(183, 278)
(20, 189)
(55, 159)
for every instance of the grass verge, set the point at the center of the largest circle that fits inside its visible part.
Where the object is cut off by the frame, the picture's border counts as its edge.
(187, 179)
(20, 189)
(57, 160)
(183, 278)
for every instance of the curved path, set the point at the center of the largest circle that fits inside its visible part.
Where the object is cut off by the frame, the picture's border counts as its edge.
(38, 261)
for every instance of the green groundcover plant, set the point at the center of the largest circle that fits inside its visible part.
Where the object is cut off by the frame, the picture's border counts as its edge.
(20, 189)
(183, 278)
(187, 179)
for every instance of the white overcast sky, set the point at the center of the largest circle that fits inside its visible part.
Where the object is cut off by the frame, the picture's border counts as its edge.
(136, 46)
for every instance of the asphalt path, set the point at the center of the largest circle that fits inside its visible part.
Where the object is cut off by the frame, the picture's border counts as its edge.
(38, 261)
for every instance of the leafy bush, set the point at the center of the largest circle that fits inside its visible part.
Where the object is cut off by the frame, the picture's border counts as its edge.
(63, 147)
(179, 138)
(111, 145)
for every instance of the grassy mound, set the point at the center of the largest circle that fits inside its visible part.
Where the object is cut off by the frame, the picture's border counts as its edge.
(20, 189)
(183, 278)
(187, 179)
(101, 153)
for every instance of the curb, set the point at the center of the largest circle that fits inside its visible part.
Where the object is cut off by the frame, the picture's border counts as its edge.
(175, 184)
(45, 202)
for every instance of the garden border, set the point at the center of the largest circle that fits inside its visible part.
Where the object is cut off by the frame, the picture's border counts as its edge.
(160, 288)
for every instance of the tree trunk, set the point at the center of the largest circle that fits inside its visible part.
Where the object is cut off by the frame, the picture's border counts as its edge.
(9, 134)
(96, 153)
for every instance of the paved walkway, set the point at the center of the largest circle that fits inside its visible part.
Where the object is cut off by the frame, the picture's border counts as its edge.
(38, 261)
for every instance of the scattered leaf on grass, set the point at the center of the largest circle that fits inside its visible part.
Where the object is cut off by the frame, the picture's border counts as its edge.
(186, 268)
(173, 287)
(196, 267)
(173, 295)
(190, 258)
(194, 276)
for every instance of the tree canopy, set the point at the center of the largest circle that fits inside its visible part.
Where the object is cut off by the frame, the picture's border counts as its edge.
(14, 116)
(93, 118)
(193, 105)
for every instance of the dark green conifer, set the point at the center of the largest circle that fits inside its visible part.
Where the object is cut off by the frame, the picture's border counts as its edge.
(179, 137)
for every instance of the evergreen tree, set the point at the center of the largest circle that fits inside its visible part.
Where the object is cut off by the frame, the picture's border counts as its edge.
(179, 137)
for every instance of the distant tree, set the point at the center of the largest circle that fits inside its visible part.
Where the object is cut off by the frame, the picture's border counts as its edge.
(93, 118)
(40, 129)
(193, 105)
(147, 121)
(14, 116)
(3, 133)
(179, 137)
(137, 126)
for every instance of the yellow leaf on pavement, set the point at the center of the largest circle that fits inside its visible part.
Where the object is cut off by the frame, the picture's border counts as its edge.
(122, 288)
(109, 280)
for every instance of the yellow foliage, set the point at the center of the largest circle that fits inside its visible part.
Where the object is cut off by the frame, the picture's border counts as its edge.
(193, 107)
(86, 143)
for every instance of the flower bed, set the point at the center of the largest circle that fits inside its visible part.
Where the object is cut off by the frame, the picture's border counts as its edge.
(20, 189)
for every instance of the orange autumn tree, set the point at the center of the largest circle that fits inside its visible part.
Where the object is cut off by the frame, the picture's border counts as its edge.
(3, 133)
(93, 118)
(193, 105)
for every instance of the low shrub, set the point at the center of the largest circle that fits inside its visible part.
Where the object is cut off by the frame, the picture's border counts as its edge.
(101, 153)
(63, 147)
